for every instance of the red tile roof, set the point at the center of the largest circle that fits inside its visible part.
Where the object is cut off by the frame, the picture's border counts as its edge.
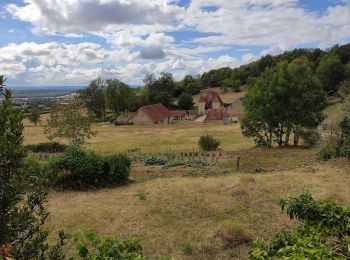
(178, 113)
(156, 112)
(215, 114)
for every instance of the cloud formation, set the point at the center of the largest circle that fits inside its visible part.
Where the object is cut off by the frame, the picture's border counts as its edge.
(161, 35)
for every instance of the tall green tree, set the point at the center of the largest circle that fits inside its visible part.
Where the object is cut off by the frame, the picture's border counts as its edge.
(330, 71)
(185, 101)
(159, 86)
(70, 121)
(119, 96)
(34, 115)
(22, 211)
(284, 100)
(92, 97)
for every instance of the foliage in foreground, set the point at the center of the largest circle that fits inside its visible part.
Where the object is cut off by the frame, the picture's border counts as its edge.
(92, 247)
(22, 211)
(208, 143)
(323, 233)
(79, 169)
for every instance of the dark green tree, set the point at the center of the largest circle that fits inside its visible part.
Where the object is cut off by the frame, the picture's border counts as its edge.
(330, 71)
(284, 100)
(164, 98)
(92, 98)
(158, 86)
(22, 211)
(185, 101)
(34, 115)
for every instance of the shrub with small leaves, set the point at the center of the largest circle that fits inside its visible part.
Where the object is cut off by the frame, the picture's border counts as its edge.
(323, 233)
(208, 143)
(154, 160)
(93, 247)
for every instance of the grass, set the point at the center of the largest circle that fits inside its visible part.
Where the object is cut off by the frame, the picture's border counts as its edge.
(152, 138)
(195, 209)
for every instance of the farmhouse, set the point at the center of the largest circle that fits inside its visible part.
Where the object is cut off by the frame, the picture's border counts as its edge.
(214, 109)
(152, 114)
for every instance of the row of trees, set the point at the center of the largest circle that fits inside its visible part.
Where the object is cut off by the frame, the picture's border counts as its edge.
(118, 97)
(332, 68)
(284, 101)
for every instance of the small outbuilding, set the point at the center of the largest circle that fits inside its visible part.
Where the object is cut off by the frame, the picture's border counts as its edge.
(152, 114)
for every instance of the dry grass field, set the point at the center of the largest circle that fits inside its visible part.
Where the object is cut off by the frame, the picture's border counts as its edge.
(180, 209)
(165, 206)
(152, 138)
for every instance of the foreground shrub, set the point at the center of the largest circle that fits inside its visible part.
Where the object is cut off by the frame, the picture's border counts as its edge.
(323, 233)
(208, 143)
(78, 168)
(49, 147)
(92, 247)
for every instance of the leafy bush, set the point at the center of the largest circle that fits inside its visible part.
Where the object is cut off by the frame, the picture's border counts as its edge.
(154, 160)
(311, 137)
(324, 232)
(92, 247)
(49, 147)
(329, 150)
(208, 143)
(79, 168)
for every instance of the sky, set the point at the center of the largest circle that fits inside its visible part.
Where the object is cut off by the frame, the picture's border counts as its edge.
(71, 42)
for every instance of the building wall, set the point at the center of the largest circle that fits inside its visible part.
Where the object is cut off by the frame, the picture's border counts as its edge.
(201, 108)
(217, 105)
(140, 118)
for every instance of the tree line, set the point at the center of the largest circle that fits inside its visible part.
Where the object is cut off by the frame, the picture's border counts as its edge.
(330, 67)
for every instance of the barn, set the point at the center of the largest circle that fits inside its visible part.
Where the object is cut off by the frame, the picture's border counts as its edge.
(152, 114)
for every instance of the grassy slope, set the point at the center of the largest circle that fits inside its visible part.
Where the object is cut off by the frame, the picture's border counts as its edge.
(179, 209)
(154, 138)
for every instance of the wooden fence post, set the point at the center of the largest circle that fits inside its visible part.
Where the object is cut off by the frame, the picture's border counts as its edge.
(237, 163)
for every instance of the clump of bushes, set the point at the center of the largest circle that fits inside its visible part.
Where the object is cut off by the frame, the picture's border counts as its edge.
(323, 233)
(80, 169)
(49, 147)
(90, 246)
(337, 146)
(208, 143)
(311, 137)
(154, 160)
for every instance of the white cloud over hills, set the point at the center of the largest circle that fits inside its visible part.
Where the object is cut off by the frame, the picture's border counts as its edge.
(148, 36)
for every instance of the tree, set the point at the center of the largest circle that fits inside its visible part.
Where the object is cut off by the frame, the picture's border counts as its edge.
(92, 97)
(233, 84)
(185, 101)
(34, 115)
(285, 99)
(118, 96)
(158, 86)
(164, 98)
(191, 85)
(22, 211)
(70, 121)
(330, 71)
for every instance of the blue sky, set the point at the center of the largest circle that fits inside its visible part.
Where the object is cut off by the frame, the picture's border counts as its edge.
(70, 42)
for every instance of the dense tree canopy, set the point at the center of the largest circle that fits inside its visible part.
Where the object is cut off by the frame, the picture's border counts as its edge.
(285, 99)
(92, 97)
(185, 101)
